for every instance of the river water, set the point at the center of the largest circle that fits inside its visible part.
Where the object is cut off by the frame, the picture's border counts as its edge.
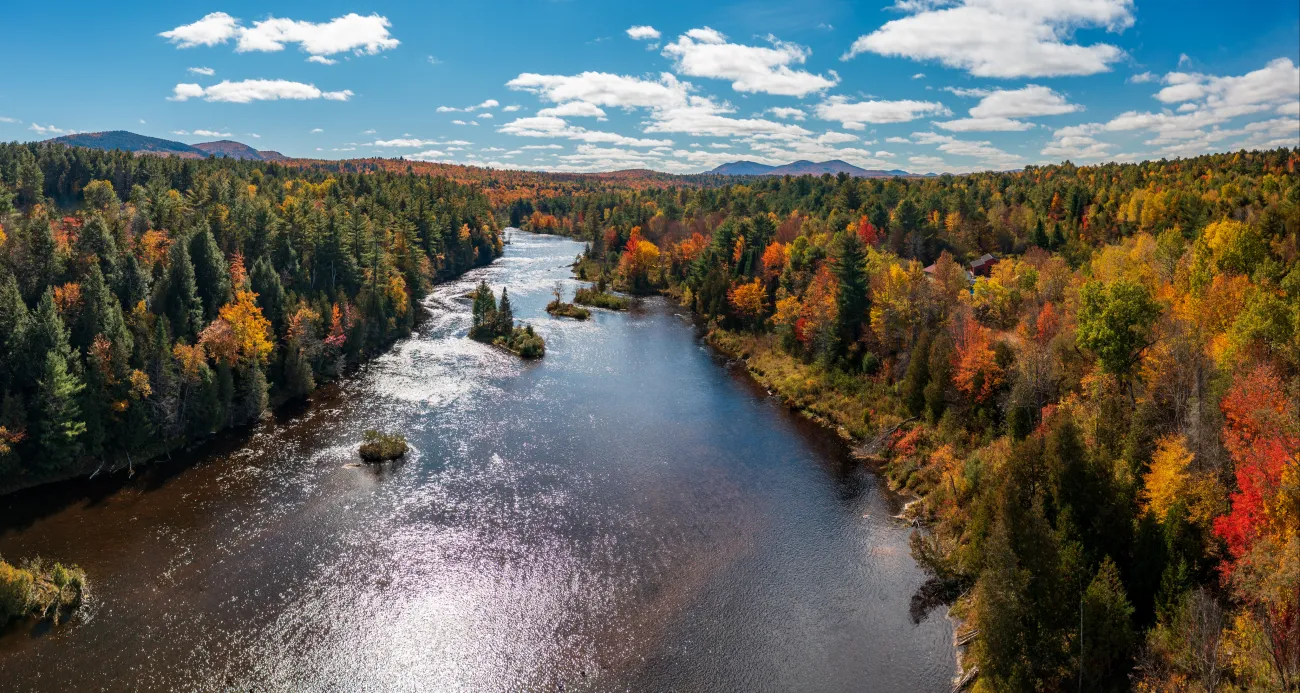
(627, 514)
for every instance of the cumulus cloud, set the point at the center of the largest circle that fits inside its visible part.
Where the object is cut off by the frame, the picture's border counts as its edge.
(484, 116)
(251, 90)
(998, 110)
(205, 71)
(551, 126)
(999, 38)
(201, 133)
(702, 117)
(1209, 102)
(756, 69)
(1141, 78)
(786, 113)
(603, 89)
(322, 60)
(643, 33)
(855, 116)
(573, 108)
(351, 32)
(984, 151)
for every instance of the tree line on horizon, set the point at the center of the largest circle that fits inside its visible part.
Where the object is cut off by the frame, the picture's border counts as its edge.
(1103, 426)
(148, 302)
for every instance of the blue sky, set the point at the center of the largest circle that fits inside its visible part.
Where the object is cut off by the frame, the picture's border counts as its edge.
(921, 85)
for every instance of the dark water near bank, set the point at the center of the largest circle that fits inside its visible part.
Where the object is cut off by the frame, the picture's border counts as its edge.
(624, 515)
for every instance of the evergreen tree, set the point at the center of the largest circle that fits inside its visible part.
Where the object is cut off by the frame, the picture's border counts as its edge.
(183, 307)
(505, 322)
(13, 327)
(59, 425)
(940, 369)
(250, 395)
(849, 268)
(270, 293)
(94, 239)
(918, 375)
(1107, 637)
(210, 272)
(41, 264)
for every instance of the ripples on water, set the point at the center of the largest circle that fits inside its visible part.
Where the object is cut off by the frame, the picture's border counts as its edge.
(623, 515)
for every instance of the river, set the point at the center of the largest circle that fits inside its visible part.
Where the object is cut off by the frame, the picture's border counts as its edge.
(627, 514)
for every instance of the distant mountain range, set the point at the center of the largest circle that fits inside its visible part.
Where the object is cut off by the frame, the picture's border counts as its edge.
(802, 168)
(143, 144)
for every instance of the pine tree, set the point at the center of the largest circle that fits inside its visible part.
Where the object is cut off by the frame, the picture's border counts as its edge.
(13, 327)
(505, 315)
(250, 395)
(183, 307)
(59, 424)
(211, 272)
(918, 375)
(41, 265)
(270, 292)
(849, 267)
(95, 239)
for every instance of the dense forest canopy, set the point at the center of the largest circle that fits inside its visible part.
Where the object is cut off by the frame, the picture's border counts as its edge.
(1100, 413)
(1091, 375)
(150, 301)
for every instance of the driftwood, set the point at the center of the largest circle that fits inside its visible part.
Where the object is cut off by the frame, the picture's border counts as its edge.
(966, 680)
(881, 442)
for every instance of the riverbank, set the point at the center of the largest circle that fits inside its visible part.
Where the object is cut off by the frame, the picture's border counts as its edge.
(163, 449)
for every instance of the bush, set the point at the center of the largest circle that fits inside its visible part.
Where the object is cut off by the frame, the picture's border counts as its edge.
(567, 310)
(524, 342)
(15, 592)
(379, 447)
(589, 296)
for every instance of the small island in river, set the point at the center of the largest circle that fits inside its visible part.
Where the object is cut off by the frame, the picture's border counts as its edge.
(560, 309)
(495, 324)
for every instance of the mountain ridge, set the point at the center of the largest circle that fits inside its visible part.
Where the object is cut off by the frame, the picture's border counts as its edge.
(143, 144)
(803, 167)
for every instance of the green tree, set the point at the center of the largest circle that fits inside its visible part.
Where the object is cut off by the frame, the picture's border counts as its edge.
(918, 375)
(849, 268)
(210, 272)
(183, 307)
(270, 293)
(1107, 636)
(1115, 323)
(59, 424)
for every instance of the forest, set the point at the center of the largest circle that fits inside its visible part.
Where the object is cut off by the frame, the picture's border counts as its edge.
(1100, 417)
(149, 302)
(1088, 376)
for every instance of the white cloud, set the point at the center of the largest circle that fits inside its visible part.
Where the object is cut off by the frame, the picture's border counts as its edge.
(251, 90)
(205, 71)
(985, 152)
(542, 146)
(511, 108)
(572, 109)
(643, 33)
(1209, 102)
(1029, 101)
(706, 53)
(551, 126)
(254, 135)
(927, 164)
(1076, 142)
(49, 130)
(429, 155)
(316, 130)
(603, 89)
(701, 117)
(214, 28)
(984, 125)
(459, 122)
(320, 59)
(484, 115)
(490, 103)
(786, 113)
(1002, 38)
(1141, 78)
(9, 120)
(209, 133)
(432, 60)
(855, 116)
(919, 75)
(898, 140)
(351, 32)
(403, 142)
(997, 110)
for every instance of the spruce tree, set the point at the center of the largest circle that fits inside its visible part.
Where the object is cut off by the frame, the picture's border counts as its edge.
(183, 307)
(211, 272)
(849, 268)
(918, 375)
(13, 327)
(505, 315)
(59, 424)
(41, 265)
(270, 292)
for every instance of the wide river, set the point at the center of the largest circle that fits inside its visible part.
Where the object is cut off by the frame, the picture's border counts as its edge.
(628, 514)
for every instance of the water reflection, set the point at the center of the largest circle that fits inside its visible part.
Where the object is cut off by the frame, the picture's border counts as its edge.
(623, 515)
